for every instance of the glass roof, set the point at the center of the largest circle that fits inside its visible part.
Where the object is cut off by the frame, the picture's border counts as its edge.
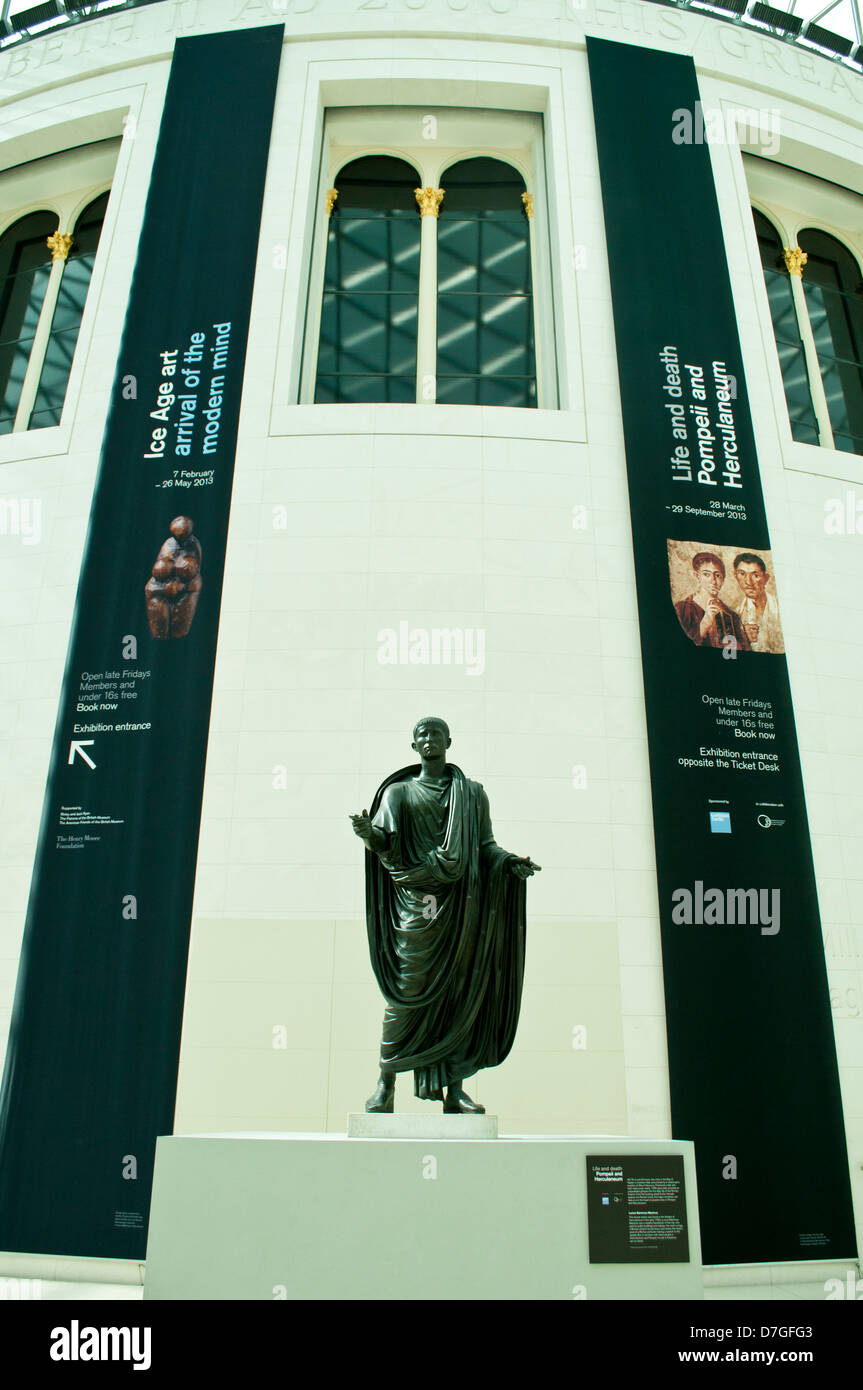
(832, 29)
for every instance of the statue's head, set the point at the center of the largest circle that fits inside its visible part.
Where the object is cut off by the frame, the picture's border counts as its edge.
(431, 734)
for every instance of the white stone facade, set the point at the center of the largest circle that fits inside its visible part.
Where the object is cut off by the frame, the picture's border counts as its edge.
(349, 519)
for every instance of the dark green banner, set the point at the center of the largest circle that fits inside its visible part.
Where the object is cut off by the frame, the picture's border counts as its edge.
(754, 1079)
(91, 1070)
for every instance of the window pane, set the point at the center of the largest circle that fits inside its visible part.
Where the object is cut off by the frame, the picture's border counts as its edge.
(483, 255)
(782, 310)
(837, 321)
(365, 333)
(786, 330)
(461, 390)
(368, 334)
(485, 335)
(843, 387)
(349, 388)
(796, 379)
(831, 281)
(803, 433)
(849, 444)
(73, 293)
(372, 254)
(41, 419)
(13, 364)
(22, 296)
(55, 374)
(485, 343)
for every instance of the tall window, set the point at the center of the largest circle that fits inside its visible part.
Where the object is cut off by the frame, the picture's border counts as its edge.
(815, 290)
(25, 267)
(368, 336)
(423, 283)
(834, 301)
(68, 310)
(46, 264)
(789, 344)
(485, 344)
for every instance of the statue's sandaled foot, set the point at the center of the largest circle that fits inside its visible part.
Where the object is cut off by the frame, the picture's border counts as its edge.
(381, 1103)
(458, 1102)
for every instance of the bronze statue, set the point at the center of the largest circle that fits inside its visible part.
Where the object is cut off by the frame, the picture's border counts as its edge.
(445, 909)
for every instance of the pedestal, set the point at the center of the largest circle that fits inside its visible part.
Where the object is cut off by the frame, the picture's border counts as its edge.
(436, 1126)
(407, 1216)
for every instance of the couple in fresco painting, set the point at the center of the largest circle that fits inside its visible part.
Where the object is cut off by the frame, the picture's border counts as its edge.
(751, 625)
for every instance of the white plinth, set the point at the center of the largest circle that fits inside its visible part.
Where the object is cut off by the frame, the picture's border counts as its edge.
(324, 1216)
(436, 1126)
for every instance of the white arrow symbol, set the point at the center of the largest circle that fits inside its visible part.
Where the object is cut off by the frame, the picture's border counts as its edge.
(77, 746)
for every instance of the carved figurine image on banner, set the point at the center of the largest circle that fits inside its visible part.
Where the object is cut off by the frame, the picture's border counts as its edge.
(174, 587)
(445, 908)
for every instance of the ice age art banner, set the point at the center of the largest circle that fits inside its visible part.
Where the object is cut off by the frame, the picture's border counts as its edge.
(91, 1070)
(752, 1059)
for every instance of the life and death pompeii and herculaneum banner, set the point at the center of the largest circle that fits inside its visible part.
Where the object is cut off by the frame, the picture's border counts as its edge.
(91, 1070)
(752, 1060)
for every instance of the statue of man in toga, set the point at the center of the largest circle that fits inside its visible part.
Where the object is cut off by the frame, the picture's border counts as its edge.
(445, 909)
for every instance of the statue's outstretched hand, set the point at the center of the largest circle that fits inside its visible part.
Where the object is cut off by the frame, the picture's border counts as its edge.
(523, 868)
(362, 825)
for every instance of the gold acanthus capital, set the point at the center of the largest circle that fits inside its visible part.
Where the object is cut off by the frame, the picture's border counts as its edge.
(795, 260)
(332, 194)
(527, 199)
(59, 244)
(429, 200)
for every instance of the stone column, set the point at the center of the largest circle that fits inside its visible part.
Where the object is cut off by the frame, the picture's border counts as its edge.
(58, 244)
(795, 260)
(429, 201)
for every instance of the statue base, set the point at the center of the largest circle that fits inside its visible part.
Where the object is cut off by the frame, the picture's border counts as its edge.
(409, 1126)
(330, 1216)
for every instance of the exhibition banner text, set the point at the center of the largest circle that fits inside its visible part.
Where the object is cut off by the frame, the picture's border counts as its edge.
(91, 1070)
(752, 1058)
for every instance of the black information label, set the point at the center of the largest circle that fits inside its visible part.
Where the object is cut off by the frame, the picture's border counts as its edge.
(91, 1070)
(752, 1059)
(636, 1209)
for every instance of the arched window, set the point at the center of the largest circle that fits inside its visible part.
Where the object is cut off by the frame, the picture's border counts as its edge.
(485, 334)
(789, 344)
(43, 290)
(367, 349)
(834, 301)
(68, 311)
(430, 279)
(25, 267)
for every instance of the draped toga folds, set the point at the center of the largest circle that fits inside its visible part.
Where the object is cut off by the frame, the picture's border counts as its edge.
(446, 925)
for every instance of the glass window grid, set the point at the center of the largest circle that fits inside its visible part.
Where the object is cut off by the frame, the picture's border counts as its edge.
(58, 349)
(517, 388)
(786, 331)
(834, 316)
(485, 329)
(27, 262)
